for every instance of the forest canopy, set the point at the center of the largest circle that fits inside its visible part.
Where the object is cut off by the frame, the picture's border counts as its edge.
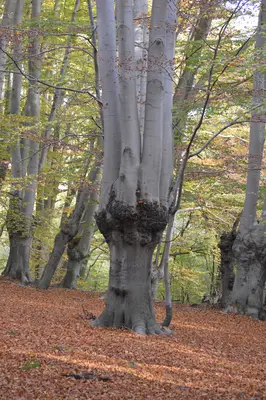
(131, 152)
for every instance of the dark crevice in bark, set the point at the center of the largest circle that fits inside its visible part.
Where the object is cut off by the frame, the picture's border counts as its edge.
(227, 274)
(132, 234)
(226, 269)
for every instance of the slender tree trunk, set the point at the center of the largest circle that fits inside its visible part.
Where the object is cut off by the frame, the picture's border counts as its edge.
(185, 86)
(78, 249)
(182, 91)
(58, 94)
(7, 21)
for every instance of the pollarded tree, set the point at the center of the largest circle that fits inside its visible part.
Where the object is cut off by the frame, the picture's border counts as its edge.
(137, 176)
(249, 247)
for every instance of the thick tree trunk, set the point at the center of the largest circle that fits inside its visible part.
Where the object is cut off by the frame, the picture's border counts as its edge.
(129, 301)
(18, 261)
(250, 251)
(249, 247)
(20, 228)
(132, 237)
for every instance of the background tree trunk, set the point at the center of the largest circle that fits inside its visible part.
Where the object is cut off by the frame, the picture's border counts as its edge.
(68, 231)
(78, 249)
(7, 21)
(20, 221)
(227, 273)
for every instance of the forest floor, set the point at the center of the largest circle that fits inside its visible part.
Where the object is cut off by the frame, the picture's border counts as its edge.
(44, 337)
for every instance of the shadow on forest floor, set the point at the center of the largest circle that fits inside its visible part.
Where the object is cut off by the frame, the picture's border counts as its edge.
(209, 356)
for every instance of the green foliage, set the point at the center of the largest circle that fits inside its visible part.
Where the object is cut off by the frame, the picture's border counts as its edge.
(32, 364)
(214, 182)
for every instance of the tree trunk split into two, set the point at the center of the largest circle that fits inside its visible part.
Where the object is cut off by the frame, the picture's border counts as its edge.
(134, 207)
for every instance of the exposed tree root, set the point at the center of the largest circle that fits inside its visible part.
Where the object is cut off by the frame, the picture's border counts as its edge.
(142, 328)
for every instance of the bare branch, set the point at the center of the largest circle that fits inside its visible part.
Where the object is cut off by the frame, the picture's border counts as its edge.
(29, 77)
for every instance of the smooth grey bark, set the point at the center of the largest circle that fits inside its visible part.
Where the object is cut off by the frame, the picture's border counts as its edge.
(133, 288)
(141, 38)
(20, 220)
(7, 94)
(7, 21)
(79, 248)
(247, 295)
(133, 209)
(156, 272)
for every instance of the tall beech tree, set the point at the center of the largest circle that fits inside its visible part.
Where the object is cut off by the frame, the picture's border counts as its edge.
(137, 177)
(25, 157)
(250, 243)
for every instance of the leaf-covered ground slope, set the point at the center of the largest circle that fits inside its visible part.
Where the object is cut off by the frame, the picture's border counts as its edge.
(44, 338)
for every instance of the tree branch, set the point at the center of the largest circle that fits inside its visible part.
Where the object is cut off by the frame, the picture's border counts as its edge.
(29, 78)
